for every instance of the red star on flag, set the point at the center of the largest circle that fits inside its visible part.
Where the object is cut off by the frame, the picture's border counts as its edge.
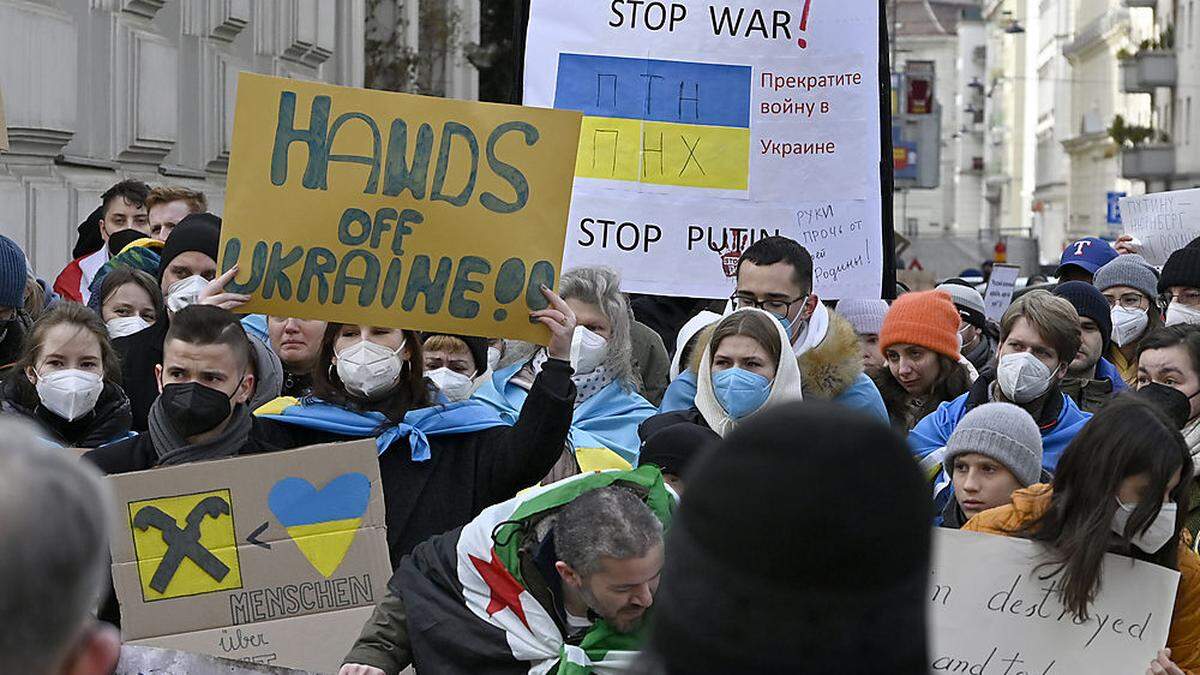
(505, 590)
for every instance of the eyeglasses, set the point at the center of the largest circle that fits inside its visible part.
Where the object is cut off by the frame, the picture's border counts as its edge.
(1126, 301)
(780, 308)
(1190, 298)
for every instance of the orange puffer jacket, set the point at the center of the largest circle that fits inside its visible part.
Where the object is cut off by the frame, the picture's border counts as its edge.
(1183, 639)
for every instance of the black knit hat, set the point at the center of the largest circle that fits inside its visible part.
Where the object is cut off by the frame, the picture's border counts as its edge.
(673, 448)
(1182, 269)
(199, 232)
(478, 347)
(1089, 302)
(774, 563)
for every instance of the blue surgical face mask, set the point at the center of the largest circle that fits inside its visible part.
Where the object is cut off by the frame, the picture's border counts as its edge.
(740, 392)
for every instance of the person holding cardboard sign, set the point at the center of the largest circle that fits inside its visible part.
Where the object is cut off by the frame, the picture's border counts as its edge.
(1121, 487)
(441, 463)
(608, 408)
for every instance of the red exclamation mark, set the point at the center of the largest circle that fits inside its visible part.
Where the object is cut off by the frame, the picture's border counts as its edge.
(804, 25)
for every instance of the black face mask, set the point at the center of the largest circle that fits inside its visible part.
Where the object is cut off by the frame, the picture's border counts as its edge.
(194, 408)
(1175, 404)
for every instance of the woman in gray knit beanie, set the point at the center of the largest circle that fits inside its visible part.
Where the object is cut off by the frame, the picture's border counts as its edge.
(995, 450)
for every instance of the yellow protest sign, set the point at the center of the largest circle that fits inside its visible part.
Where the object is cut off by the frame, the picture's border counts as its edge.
(185, 545)
(388, 209)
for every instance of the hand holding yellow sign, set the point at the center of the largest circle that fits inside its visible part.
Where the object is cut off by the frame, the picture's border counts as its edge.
(389, 209)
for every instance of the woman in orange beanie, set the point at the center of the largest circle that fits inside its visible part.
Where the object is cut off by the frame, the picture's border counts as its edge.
(920, 344)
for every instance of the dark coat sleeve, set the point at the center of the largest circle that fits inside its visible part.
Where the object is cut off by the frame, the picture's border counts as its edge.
(383, 643)
(131, 454)
(511, 459)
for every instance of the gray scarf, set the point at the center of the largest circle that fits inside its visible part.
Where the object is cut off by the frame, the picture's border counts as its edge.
(174, 449)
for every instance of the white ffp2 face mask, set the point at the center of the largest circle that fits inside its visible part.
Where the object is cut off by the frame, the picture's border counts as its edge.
(1177, 314)
(493, 357)
(588, 350)
(455, 386)
(1128, 324)
(368, 369)
(1161, 529)
(70, 394)
(1022, 377)
(122, 326)
(185, 292)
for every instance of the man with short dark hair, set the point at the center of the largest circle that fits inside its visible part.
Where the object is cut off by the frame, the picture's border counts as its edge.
(204, 382)
(1039, 338)
(775, 274)
(123, 208)
(561, 576)
(54, 520)
(1091, 379)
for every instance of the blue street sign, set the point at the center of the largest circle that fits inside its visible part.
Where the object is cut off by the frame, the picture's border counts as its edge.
(1114, 208)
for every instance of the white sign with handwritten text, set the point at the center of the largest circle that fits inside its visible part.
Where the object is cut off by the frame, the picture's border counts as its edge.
(993, 612)
(1162, 222)
(1001, 285)
(708, 126)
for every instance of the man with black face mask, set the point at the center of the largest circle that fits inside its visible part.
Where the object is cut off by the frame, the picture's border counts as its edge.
(204, 382)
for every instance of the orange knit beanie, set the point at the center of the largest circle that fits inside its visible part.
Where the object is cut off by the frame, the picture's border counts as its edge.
(927, 319)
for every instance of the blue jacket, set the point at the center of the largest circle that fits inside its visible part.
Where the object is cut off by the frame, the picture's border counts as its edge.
(1105, 370)
(1061, 420)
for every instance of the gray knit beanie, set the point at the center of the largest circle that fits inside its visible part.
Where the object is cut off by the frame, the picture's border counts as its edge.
(969, 303)
(1003, 432)
(865, 315)
(1126, 271)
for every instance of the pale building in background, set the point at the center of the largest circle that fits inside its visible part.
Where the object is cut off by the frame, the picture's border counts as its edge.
(1053, 122)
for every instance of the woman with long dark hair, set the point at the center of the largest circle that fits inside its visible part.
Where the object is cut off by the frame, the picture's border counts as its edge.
(1120, 487)
(441, 464)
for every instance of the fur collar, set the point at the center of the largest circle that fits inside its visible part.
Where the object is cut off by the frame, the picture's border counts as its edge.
(826, 370)
(830, 368)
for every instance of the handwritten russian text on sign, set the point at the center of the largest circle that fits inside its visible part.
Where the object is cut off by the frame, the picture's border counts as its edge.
(1001, 285)
(708, 126)
(1162, 222)
(388, 209)
(276, 558)
(993, 613)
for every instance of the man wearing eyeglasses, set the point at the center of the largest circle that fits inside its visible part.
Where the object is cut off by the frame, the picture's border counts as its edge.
(1180, 280)
(776, 275)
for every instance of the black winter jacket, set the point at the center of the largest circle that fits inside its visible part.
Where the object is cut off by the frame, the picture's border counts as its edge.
(108, 421)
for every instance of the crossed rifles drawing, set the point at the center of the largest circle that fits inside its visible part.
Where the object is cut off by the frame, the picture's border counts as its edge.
(185, 542)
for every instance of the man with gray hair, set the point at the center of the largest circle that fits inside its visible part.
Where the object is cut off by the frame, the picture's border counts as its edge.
(560, 578)
(54, 559)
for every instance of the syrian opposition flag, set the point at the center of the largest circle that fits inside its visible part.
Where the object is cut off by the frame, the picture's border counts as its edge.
(493, 617)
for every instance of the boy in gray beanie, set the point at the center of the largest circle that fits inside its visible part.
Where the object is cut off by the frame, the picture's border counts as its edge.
(994, 450)
(867, 318)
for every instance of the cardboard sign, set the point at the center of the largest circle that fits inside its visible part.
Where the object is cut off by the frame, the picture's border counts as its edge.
(1162, 222)
(993, 613)
(1001, 286)
(708, 126)
(275, 558)
(137, 660)
(386, 209)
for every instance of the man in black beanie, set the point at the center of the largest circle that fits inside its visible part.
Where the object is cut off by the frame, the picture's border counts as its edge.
(773, 565)
(1091, 379)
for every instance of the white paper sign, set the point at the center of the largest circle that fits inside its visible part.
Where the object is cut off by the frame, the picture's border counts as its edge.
(709, 125)
(992, 613)
(1001, 285)
(1162, 222)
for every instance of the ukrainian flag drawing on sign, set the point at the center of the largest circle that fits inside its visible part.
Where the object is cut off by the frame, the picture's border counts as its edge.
(660, 122)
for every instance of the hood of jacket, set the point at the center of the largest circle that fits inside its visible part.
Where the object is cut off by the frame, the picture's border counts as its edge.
(831, 367)
(785, 387)
(268, 374)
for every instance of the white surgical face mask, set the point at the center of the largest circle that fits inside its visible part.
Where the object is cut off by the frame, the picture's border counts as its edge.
(368, 369)
(185, 292)
(1161, 529)
(125, 325)
(1022, 377)
(588, 350)
(455, 386)
(493, 357)
(1128, 324)
(70, 394)
(1177, 314)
